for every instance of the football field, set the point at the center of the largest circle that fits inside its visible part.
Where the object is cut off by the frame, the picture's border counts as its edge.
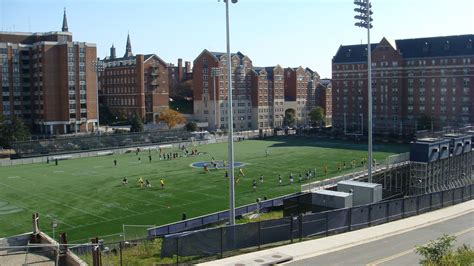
(86, 196)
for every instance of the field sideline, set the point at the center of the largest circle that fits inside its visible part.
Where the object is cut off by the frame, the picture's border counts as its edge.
(87, 198)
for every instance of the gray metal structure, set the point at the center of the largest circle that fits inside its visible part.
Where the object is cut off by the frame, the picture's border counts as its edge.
(332, 199)
(363, 192)
(440, 164)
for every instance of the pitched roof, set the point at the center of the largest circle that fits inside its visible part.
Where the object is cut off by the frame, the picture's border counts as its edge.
(325, 82)
(441, 46)
(131, 58)
(218, 55)
(352, 53)
(268, 69)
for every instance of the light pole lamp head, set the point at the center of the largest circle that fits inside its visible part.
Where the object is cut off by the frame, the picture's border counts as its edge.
(233, 1)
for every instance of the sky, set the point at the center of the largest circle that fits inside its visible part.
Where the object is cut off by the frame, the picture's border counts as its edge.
(291, 33)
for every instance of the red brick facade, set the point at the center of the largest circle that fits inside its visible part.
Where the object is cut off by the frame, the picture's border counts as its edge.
(136, 85)
(426, 77)
(261, 94)
(47, 80)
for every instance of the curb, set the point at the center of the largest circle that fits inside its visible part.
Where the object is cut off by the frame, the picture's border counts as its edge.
(375, 238)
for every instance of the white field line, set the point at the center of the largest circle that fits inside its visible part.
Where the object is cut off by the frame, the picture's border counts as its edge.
(55, 201)
(33, 211)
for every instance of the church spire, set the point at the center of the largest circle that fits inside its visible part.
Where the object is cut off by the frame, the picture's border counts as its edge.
(112, 52)
(128, 47)
(65, 28)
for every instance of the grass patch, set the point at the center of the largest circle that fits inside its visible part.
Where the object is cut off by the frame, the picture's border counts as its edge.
(85, 196)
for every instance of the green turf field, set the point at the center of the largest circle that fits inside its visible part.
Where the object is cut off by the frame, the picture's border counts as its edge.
(87, 198)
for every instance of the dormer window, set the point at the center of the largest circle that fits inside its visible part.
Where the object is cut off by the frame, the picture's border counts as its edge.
(365, 52)
(469, 44)
(446, 46)
(348, 54)
(426, 47)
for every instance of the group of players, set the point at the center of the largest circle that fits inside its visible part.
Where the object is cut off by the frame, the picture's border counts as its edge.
(308, 174)
(144, 183)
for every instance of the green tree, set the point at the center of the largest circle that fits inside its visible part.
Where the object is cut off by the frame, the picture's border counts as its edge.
(185, 89)
(317, 115)
(440, 252)
(290, 118)
(105, 116)
(435, 250)
(12, 130)
(136, 124)
(191, 126)
(171, 118)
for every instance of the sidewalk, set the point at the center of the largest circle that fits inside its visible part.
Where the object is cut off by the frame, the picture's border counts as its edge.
(313, 248)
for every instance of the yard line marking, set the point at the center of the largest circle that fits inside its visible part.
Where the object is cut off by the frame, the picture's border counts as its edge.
(408, 251)
(33, 211)
(88, 198)
(129, 216)
(57, 202)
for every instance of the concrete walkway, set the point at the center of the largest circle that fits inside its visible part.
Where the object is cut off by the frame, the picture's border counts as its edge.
(312, 248)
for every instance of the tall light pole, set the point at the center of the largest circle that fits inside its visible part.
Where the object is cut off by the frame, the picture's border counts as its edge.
(98, 66)
(214, 74)
(365, 21)
(231, 120)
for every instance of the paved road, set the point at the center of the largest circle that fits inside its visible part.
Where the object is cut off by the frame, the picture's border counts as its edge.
(398, 249)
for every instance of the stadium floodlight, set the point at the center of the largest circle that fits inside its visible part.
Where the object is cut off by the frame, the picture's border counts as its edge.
(230, 118)
(364, 13)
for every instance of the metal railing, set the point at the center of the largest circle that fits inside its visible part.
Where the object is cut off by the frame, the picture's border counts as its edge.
(216, 241)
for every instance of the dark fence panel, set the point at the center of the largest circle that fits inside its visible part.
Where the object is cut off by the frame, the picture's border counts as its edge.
(378, 213)
(275, 230)
(359, 217)
(240, 211)
(436, 200)
(195, 243)
(295, 227)
(338, 221)
(210, 219)
(240, 236)
(266, 204)
(424, 203)
(177, 227)
(466, 195)
(217, 240)
(457, 195)
(251, 208)
(447, 198)
(223, 215)
(409, 206)
(395, 210)
(194, 222)
(314, 224)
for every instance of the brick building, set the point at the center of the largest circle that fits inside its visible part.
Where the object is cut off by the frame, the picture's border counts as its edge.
(324, 99)
(134, 84)
(48, 81)
(412, 79)
(262, 95)
(178, 74)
